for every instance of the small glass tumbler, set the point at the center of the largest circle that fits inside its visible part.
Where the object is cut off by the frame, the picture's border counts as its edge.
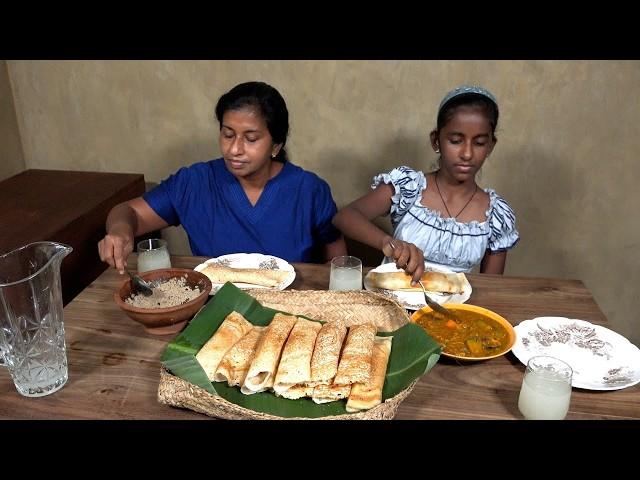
(346, 273)
(153, 254)
(546, 389)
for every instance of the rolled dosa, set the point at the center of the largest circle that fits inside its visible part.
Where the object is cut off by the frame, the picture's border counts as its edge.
(355, 362)
(432, 281)
(232, 329)
(330, 393)
(267, 386)
(297, 391)
(234, 365)
(326, 354)
(295, 362)
(367, 395)
(264, 277)
(263, 367)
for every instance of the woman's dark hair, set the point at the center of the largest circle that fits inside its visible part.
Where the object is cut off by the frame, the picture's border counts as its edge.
(267, 101)
(482, 102)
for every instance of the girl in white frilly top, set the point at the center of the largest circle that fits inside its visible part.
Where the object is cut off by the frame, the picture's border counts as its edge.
(443, 217)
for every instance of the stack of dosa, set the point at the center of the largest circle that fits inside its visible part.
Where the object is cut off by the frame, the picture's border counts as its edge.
(432, 281)
(296, 357)
(264, 277)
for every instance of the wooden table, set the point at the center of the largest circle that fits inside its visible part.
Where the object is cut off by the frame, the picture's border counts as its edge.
(114, 364)
(68, 207)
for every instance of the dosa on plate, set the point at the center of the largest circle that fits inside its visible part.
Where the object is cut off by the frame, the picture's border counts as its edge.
(433, 281)
(255, 276)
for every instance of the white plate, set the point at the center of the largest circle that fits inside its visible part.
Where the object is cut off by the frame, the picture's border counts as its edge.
(601, 359)
(252, 260)
(415, 300)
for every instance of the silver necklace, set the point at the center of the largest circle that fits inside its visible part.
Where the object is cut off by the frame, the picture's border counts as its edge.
(445, 203)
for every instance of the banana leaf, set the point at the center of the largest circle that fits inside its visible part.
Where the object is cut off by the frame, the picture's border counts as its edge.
(413, 353)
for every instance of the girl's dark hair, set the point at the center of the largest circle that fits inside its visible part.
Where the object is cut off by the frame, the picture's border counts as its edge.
(267, 101)
(483, 102)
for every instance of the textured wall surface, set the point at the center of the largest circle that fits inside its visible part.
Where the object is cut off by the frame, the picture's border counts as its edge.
(565, 160)
(11, 159)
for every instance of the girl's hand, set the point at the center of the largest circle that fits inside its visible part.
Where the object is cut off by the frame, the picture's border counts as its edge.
(407, 257)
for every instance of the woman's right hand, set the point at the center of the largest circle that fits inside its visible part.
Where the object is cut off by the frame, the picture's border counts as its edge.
(116, 246)
(407, 257)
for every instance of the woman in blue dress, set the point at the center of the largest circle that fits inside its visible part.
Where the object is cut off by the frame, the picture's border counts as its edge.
(252, 200)
(443, 217)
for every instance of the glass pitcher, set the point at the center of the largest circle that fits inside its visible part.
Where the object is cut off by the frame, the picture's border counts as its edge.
(32, 344)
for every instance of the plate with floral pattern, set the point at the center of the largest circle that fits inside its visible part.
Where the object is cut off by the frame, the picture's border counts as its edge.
(252, 260)
(601, 359)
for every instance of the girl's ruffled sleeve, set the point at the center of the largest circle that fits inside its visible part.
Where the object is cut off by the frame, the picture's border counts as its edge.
(407, 184)
(503, 227)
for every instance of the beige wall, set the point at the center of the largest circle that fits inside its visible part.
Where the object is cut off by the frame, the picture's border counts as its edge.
(566, 157)
(11, 159)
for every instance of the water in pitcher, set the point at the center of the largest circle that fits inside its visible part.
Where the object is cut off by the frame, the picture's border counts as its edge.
(38, 360)
(32, 341)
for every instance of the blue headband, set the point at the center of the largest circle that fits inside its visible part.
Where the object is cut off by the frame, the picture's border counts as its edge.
(464, 89)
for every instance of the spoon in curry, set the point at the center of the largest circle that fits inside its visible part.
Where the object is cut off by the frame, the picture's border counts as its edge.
(139, 285)
(435, 306)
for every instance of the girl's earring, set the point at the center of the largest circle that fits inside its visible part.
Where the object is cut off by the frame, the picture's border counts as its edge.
(437, 150)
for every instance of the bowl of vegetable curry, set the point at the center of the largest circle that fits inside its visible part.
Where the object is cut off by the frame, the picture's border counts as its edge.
(476, 334)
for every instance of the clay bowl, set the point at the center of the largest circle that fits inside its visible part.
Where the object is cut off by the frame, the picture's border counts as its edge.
(168, 320)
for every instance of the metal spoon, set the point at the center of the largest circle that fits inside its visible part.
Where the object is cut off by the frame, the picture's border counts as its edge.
(139, 285)
(435, 305)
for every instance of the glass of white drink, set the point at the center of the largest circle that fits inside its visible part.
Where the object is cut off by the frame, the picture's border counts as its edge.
(346, 273)
(546, 389)
(153, 254)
